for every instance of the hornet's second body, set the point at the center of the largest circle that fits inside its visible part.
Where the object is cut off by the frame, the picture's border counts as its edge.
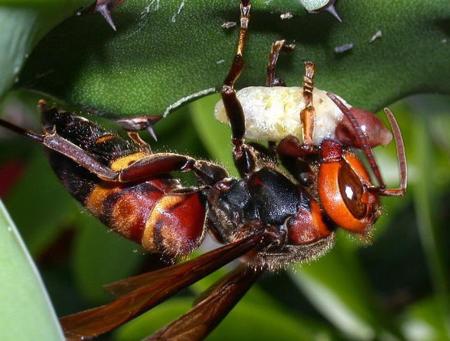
(142, 211)
(166, 218)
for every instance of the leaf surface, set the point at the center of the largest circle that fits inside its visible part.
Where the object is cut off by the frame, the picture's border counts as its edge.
(22, 24)
(166, 51)
(25, 309)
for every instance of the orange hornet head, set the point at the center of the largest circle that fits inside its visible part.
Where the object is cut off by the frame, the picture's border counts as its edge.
(344, 188)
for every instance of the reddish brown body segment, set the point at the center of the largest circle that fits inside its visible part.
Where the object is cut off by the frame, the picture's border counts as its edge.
(145, 213)
(308, 226)
(376, 133)
(175, 224)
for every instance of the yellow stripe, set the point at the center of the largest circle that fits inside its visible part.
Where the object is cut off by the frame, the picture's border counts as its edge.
(125, 161)
(164, 205)
(104, 138)
(95, 200)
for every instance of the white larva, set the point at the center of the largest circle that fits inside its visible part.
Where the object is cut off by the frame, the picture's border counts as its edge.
(272, 113)
(315, 5)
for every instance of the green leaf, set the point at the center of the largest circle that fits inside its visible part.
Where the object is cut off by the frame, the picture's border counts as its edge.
(49, 199)
(47, 207)
(425, 203)
(254, 295)
(21, 27)
(101, 257)
(25, 310)
(337, 287)
(167, 50)
(247, 321)
(250, 321)
(419, 321)
(150, 322)
(215, 135)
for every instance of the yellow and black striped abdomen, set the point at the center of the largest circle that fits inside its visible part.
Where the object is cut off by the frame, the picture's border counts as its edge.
(145, 213)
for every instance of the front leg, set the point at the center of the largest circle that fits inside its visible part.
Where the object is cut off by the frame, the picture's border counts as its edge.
(163, 163)
(243, 154)
(308, 113)
(296, 158)
(290, 146)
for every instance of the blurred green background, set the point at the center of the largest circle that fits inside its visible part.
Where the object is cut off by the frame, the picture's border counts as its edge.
(391, 287)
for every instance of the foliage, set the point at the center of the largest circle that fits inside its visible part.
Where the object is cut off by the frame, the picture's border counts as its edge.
(167, 50)
(21, 285)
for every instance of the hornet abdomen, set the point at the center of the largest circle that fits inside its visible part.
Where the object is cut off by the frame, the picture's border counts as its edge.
(146, 212)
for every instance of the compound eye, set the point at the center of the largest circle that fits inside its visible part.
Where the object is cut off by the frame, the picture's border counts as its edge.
(343, 195)
(352, 191)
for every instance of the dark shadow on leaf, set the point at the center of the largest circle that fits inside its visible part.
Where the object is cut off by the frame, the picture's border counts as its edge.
(444, 26)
